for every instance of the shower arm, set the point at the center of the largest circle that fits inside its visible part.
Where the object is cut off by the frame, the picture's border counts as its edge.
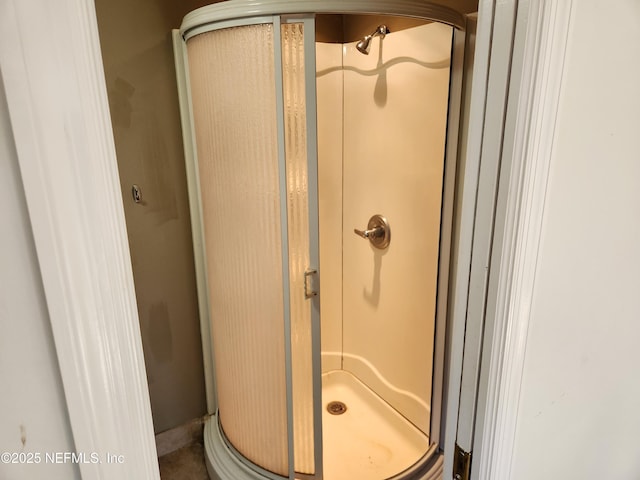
(364, 44)
(381, 30)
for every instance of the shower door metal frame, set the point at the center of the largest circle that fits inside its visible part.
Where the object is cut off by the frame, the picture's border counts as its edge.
(309, 32)
(234, 12)
(308, 23)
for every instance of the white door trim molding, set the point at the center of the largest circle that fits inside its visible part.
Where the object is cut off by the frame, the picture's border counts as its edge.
(487, 149)
(53, 75)
(536, 78)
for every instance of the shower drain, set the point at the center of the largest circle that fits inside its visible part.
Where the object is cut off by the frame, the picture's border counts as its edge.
(336, 408)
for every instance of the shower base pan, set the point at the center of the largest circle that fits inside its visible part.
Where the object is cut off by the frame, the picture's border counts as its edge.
(368, 441)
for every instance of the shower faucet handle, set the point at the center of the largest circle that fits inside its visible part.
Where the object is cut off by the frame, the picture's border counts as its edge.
(378, 232)
(374, 232)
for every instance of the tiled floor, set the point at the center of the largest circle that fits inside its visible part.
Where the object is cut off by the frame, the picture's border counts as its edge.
(186, 463)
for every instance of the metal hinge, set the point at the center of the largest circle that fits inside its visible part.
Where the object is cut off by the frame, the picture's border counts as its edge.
(461, 464)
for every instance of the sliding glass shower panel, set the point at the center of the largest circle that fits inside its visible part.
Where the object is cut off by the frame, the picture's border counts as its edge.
(295, 130)
(232, 74)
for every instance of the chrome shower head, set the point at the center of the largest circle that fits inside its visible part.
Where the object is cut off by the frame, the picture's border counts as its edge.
(364, 45)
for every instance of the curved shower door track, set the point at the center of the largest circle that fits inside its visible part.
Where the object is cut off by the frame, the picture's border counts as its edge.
(236, 10)
(226, 459)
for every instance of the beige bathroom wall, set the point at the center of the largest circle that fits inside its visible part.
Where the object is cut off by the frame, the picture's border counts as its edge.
(395, 112)
(140, 76)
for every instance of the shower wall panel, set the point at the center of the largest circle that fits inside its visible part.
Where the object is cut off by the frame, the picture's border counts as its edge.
(330, 97)
(395, 112)
(236, 137)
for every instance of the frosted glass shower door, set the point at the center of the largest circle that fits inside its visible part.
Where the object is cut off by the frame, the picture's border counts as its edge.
(298, 78)
(257, 180)
(234, 110)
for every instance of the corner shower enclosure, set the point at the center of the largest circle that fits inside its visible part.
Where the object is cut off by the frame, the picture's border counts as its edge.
(315, 134)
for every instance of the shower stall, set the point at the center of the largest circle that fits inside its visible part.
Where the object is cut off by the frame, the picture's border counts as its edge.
(316, 135)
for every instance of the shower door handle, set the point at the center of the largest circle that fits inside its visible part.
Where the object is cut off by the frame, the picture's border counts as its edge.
(309, 292)
(378, 232)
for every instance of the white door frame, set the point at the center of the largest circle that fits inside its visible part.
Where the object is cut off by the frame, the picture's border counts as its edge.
(519, 57)
(535, 79)
(53, 75)
(54, 80)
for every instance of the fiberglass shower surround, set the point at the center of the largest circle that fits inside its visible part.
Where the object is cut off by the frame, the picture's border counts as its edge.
(282, 177)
